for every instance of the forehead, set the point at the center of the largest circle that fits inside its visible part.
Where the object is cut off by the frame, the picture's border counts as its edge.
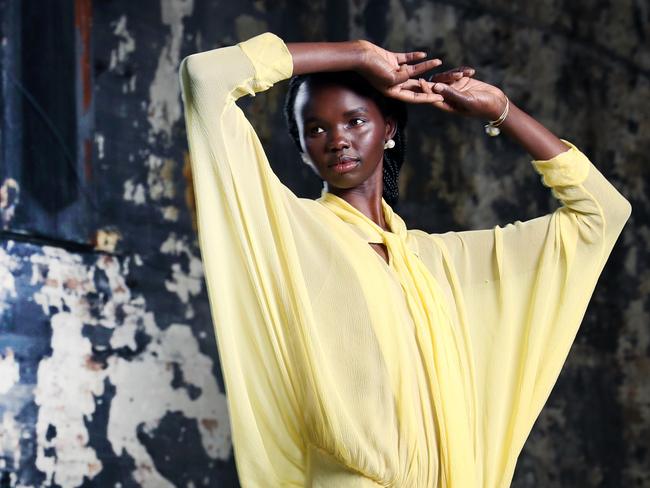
(329, 100)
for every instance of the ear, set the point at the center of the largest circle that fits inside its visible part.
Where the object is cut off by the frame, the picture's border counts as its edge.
(391, 127)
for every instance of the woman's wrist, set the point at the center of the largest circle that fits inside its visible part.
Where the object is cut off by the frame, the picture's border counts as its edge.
(536, 139)
(311, 57)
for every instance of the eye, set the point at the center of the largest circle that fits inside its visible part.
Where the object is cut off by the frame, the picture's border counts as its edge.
(313, 130)
(357, 118)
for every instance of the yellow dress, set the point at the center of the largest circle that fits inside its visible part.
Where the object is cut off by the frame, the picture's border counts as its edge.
(344, 371)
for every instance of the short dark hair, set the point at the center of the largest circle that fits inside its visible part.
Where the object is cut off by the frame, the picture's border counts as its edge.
(393, 158)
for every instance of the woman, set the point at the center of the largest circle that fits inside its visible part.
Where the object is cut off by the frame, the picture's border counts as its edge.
(357, 352)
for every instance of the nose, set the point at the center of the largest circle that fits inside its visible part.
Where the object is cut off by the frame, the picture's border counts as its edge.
(338, 140)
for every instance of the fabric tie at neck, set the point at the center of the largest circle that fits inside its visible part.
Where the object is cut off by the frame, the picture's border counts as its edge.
(444, 349)
(372, 232)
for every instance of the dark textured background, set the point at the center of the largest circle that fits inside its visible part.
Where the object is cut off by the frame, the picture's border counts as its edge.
(106, 342)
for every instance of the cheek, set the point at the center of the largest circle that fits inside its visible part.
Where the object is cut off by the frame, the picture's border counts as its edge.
(370, 139)
(314, 145)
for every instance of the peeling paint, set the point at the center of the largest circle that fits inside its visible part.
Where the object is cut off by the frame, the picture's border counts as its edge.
(170, 213)
(125, 45)
(134, 192)
(99, 142)
(106, 239)
(184, 283)
(9, 441)
(9, 371)
(164, 93)
(9, 198)
(66, 402)
(160, 178)
(8, 264)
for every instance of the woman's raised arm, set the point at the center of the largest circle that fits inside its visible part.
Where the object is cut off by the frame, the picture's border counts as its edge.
(247, 247)
(310, 57)
(392, 73)
(526, 286)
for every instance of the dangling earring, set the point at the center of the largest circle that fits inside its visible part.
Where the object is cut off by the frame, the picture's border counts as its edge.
(390, 144)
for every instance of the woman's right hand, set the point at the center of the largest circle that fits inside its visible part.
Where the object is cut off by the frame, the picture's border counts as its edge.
(390, 73)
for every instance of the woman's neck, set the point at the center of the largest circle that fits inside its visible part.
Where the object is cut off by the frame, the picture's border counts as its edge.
(366, 197)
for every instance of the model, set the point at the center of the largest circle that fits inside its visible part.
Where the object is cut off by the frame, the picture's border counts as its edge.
(357, 352)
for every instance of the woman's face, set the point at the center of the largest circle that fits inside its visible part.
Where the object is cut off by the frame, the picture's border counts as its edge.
(336, 125)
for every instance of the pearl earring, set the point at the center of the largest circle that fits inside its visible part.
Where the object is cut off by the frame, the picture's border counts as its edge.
(390, 144)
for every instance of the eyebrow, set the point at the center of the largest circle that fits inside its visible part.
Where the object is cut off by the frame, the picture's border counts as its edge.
(347, 114)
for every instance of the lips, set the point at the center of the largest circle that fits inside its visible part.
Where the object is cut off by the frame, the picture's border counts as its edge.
(344, 160)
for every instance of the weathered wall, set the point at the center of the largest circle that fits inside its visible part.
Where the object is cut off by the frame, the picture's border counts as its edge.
(108, 370)
(108, 367)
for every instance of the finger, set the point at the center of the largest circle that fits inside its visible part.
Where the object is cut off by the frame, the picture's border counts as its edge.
(421, 86)
(460, 84)
(424, 66)
(451, 95)
(467, 70)
(417, 97)
(410, 56)
(410, 84)
(446, 77)
(444, 106)
(452, 74)
(426, 87)
(407, 71)
(411, 96)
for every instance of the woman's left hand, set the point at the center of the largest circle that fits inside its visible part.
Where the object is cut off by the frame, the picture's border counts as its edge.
(465, 95)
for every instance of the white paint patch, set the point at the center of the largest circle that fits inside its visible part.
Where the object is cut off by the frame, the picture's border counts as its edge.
(160, 184)
(9, 198)
(8, 264)
(184, 283)
(69, 380)
(164, 93)
(134, 192)
(170, 213)
(160, 179)
(125, 45)
(99, 142)
(9, 441)
(9, 371)
(107, 239)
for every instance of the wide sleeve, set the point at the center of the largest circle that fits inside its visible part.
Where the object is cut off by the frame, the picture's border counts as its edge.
(243, 214)
(522, 291)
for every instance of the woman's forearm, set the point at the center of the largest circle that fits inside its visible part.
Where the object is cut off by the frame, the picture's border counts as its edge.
(536, 139)
(310, 57)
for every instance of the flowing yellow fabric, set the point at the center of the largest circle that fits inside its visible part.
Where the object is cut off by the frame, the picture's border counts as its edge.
(344, 371)
(443, 347)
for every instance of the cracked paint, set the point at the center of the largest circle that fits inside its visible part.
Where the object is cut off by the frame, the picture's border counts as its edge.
(66, 402)
(185, 283)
